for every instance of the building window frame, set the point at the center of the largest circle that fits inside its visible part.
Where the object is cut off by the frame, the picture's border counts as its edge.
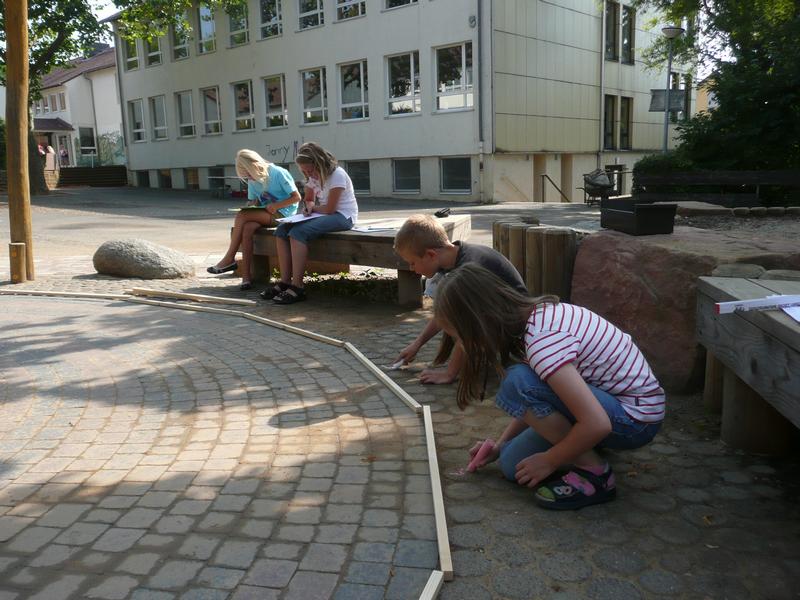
(206, 39)
(310, 18)
(159, 129)
(610, 122)
(350, 9)
(392, 4)
(87, 150)
(276, 118)
(244, 118)
(628, 38)
(138, 129)
(354, 170)
(240, 36)
(398, 101)
(310, 111)
(625, 123)
(131, 60)
(359, 107)
(180, 36)
(153, 57)
(186, 127)
(443, 184)
(211, 126)
(611, 50)
(62, 101)
(451, 88)
(274, 26)
(53, 103)
(395, 182)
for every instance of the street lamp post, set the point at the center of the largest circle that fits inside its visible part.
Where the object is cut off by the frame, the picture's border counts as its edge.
(670, 32)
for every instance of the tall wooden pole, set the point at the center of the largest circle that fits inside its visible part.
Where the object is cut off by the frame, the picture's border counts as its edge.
(19, 197)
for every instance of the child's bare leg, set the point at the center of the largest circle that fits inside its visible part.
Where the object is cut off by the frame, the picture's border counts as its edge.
(248, 230)
(554, 428)
(236, 241)
(299, 259)
(284, 258)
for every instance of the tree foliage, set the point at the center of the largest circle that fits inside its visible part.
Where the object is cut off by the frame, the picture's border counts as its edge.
(753, 50)
(148, 19)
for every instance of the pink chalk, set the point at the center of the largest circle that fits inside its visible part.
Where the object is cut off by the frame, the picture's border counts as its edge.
(480, 455)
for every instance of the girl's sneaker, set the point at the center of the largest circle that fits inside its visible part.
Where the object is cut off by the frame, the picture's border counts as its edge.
(577, 489)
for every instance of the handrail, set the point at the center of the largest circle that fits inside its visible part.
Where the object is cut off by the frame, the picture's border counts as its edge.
(553, 183)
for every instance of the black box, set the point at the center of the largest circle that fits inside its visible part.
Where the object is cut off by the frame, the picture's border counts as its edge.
(637, 219)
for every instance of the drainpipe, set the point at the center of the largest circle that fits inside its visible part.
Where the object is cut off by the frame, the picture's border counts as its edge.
(479, 104)
(602, 101)
(94, 117)
(118, 80)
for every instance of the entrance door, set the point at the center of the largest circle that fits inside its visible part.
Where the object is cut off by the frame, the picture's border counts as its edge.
(64, 154)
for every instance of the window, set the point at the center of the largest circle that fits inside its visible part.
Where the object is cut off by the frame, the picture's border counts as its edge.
(406, 175)
(143, 179)
(347, 9)
(609, 123)
(165, 178)
(153, 50)
(86, 135)
(183, 101)
(397, 3)
(207, 30)
(180, 41)
(62, 101)
(243, 106)
(311, 13)
(216, 178)
(53, 103)
(275, 93)
(358, 170)
(404, 88)
(45, 104)
(315, 96)
(239, 25)
(628, 33)
(612, 31)
(191, 178)
(355, 100)
(454, 77)
(158, 117)
(456, 175)
(131, 53)
(37, 107)
(625, 122)
(213, 123)
(271, 19)
(136, 118)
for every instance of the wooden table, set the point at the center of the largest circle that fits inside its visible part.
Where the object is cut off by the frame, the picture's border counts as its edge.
(372, 248)
(759, 363)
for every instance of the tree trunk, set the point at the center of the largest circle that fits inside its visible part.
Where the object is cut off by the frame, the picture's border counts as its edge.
(35, 166)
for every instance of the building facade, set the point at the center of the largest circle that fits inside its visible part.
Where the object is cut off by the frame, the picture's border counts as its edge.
(448, 99)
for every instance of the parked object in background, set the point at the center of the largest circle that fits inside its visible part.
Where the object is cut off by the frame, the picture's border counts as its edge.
(635, 218)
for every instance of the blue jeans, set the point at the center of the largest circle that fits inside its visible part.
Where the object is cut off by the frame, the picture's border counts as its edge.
(521, 391)
(305, 231)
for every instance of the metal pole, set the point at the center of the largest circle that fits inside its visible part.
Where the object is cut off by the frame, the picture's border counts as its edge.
(666, 99)
(19, 195)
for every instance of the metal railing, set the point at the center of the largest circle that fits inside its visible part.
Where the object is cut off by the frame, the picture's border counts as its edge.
(553, 183)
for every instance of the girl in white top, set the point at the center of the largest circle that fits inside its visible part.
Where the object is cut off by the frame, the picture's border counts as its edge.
(571, 382)
(329, 193)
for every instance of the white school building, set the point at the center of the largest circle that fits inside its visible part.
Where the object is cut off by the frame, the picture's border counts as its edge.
(469, 100)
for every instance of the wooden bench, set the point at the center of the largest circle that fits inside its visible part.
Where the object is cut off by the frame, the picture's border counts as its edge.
(373, 248)
(753, 365)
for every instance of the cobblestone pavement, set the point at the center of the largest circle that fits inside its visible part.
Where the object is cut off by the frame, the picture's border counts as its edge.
(693, 519)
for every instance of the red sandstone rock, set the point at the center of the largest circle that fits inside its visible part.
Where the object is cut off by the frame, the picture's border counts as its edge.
(646, 286)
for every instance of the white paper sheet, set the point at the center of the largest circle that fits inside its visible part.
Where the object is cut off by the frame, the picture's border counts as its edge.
(793, 311)
(299, 217)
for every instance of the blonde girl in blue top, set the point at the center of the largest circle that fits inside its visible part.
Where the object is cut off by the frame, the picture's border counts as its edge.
(269, 187)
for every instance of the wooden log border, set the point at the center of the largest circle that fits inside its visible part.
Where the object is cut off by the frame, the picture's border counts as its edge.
(432, 587)
(195, 297)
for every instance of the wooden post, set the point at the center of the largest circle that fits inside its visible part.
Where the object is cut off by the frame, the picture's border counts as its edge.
(516, 246)
(16, 254)
(558, 258)
(749, 422)
(19, 195)
(504, 238)
(712, 390)
(533, 260)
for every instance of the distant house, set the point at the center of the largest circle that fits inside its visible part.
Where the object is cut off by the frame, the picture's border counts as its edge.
(79, 112)
(706, 100)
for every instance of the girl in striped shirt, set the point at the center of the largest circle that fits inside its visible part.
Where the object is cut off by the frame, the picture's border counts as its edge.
(571, 383)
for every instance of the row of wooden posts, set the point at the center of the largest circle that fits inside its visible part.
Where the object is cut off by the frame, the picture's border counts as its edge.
(544, 255)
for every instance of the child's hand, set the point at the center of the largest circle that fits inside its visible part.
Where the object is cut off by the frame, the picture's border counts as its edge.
(534, 469)
(491, 457)
(408, 353)
(308, 208)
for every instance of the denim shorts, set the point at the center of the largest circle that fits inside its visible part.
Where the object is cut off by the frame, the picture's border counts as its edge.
(521, 390)
(305, 231)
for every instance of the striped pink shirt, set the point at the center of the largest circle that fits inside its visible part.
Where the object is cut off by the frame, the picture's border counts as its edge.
(605, 357)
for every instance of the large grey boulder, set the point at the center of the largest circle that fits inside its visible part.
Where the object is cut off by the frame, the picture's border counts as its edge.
(143, 259)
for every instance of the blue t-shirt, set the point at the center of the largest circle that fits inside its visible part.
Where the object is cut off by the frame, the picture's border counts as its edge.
(280, 187)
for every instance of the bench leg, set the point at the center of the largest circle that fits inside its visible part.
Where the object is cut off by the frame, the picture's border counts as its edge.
(712, 390)
(260, 269)
(749, 422)
(409, 289)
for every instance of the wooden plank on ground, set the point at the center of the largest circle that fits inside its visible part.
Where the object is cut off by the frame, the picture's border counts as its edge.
(442, 538)
(431, 589)
(192, 307)
(388, 381)
(292, 329)
(89, 295)
(183, 296)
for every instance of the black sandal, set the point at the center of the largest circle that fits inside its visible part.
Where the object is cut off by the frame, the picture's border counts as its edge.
(215, 270)
(560, 495)
(270, 293)
(290, 295)
(246, 285)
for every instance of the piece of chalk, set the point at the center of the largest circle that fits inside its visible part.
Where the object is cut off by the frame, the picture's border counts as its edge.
(395, 366)
(484, 451)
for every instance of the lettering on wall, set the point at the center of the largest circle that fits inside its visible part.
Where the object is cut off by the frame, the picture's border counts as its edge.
(281, 153)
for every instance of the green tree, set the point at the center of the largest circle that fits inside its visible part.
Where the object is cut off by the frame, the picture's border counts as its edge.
(753, 51)
(152, 18)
